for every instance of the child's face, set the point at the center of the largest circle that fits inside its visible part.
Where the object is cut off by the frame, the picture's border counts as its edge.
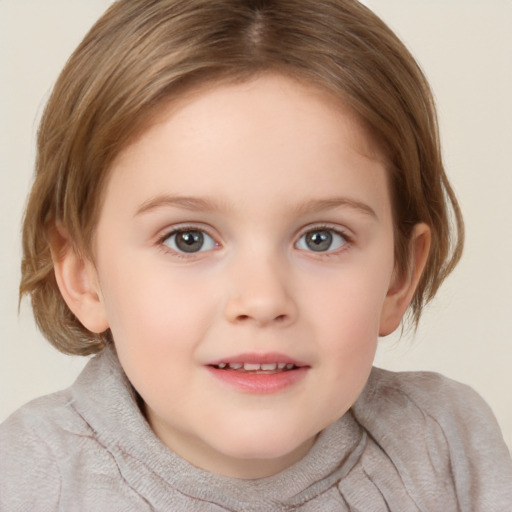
(283, 254)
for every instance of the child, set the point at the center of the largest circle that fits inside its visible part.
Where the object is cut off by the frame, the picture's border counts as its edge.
(233, 200)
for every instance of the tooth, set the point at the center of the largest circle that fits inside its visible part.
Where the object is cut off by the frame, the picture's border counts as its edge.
(289, 366)
(235, 366)
(222, 365)
(270, 366)
(251, 366)
(281, 365)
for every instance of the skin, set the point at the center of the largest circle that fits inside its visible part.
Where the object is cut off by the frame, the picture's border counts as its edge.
(261, 163)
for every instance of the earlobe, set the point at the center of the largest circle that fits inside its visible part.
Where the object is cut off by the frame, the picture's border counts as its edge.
(77, 281)
(402, 288)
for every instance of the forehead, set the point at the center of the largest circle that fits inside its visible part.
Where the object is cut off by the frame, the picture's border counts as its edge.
(205, 101)
(245, 129)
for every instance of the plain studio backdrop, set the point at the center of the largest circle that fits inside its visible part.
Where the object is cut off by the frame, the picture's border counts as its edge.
(465, 49)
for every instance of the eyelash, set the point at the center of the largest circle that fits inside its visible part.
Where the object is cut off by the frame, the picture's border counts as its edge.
(310, 229)
(326, 227)
(182, 229)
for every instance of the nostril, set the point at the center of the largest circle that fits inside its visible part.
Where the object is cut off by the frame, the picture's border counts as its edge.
(244, 318)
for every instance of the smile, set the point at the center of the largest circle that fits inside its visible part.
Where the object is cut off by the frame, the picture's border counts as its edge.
(256, 367)
(259, 374)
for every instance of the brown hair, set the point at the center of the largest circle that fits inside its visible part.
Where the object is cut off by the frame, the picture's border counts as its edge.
(142, 52)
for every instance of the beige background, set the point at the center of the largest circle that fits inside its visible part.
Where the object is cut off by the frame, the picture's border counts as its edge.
(465, 48)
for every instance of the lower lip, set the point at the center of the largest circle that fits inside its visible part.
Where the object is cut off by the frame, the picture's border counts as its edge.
(260, 383)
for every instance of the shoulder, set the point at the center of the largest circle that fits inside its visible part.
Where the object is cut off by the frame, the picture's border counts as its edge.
(425, 393)
(426, 418)
(50, 456)
(49, 420)
(53, 450)
(429, 403)
(414, 406)
(32, 440)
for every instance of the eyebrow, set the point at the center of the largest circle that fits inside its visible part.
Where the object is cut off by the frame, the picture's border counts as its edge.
(203, 204)
(320, 205)
(186, 202)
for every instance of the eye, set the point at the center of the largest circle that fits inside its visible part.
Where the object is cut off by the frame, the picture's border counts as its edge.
(189, 241)
(321, 240)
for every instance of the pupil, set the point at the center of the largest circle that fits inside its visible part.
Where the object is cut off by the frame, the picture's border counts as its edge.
(189, 241)
(319, 240)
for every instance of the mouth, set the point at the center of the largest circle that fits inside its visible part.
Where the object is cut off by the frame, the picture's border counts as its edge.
(258, 368)
(259, 374)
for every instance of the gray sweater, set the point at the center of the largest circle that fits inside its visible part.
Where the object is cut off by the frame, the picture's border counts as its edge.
(412, 442)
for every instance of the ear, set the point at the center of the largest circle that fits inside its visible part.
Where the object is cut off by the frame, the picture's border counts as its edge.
(402, 287)
(77, 281)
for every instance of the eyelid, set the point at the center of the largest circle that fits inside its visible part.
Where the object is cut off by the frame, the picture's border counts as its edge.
(173, 230)
(207, 230)
(341, 231)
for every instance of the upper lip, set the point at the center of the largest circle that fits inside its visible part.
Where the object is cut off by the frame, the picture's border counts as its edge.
(254, 358)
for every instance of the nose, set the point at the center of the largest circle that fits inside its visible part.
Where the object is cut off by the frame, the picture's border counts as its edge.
(261, 294)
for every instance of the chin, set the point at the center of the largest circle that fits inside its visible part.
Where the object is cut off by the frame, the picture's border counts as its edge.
(266, 445)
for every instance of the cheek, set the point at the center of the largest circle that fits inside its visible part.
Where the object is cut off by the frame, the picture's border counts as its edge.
(155, 329)
(350, 303)
(347, 318)
(154, 315)
(158, 320)
(350, 343)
